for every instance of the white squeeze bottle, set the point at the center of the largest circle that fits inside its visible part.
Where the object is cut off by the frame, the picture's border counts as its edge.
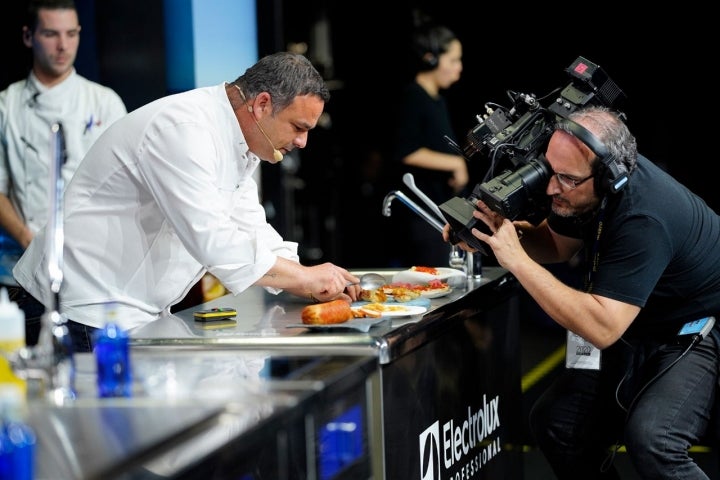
(12, 338)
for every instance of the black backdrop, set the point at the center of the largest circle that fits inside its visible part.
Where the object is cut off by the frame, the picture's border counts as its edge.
(343, 173)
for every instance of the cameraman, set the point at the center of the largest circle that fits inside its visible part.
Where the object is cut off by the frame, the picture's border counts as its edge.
(653, 264)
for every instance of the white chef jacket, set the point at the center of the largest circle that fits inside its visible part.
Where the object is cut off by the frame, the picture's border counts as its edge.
(28, 109)
(163, 196)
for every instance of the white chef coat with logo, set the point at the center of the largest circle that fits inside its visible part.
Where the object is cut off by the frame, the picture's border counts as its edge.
(28, 109)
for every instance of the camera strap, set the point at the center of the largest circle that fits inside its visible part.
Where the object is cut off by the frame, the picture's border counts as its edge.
(594, 257)
(580, 353)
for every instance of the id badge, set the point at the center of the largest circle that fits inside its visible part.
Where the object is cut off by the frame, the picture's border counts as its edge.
(580, 353)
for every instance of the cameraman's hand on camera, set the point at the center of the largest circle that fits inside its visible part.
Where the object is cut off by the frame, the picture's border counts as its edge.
(447, 237)
(504, 240)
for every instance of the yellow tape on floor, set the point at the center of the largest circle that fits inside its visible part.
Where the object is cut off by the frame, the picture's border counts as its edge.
(542, 368)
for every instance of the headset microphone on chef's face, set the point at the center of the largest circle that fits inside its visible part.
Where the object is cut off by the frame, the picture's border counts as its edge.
(277, 154)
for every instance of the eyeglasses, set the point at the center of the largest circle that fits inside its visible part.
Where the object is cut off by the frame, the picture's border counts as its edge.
(570, 183)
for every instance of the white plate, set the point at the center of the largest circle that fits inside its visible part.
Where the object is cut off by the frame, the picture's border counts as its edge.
(412, 276)
(435, 293)
(407, 310)
(361, 324)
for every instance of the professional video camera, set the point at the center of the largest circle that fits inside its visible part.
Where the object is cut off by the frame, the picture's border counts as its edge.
(519, 136)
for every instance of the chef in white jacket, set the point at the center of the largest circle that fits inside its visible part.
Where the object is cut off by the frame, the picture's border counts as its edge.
(167, 194)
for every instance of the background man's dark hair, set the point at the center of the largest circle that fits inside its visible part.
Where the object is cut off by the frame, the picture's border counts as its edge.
(31, 16)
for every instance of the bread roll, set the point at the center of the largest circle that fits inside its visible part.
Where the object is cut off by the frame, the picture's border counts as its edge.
(327, 313)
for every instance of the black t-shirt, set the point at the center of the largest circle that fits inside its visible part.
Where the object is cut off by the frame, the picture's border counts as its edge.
(658, 249)
(424, 121)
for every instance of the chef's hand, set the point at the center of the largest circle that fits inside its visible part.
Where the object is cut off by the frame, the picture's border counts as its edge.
(353, 291)
(318, 283)
(329, 282)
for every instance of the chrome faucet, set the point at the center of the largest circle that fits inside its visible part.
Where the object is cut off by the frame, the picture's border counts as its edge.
(412, 206)
(51, 361)
(457, 258)
(409, 180)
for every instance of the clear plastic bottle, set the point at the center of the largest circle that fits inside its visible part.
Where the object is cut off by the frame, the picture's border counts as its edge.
(112, 355)
(17, 439)
(12, 338)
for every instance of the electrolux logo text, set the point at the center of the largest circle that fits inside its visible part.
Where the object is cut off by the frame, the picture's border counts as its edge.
(466, 444)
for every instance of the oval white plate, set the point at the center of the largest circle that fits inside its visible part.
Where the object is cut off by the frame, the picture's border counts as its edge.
(435, 293)
(411, 276)
(407, 311)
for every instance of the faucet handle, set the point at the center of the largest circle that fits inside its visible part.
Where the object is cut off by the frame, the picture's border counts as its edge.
(61, 362)
(457, 258)
(50, 363)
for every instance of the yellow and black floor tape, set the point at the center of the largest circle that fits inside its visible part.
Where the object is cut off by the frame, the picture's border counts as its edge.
(540, 370)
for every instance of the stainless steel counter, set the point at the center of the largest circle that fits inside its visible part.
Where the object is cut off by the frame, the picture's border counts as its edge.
(431, 396)
(213, 415)
(263, 319)
(449, 394)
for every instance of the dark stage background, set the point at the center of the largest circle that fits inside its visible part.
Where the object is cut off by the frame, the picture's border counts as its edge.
(329, 199)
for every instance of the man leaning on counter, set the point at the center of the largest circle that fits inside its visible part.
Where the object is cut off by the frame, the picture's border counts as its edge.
(167, 194)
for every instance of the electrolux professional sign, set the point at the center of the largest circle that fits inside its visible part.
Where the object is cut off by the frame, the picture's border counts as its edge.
(461, 447)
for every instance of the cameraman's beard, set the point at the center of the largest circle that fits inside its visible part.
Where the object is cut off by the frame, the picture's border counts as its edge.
(563, 207)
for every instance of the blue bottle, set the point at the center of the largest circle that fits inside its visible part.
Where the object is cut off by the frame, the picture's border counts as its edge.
(17, 440)
(112, 355)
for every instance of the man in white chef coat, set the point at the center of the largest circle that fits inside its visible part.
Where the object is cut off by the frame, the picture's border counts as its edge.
(167, 194)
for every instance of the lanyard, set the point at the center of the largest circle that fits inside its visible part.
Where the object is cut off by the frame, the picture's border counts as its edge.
(594, 259)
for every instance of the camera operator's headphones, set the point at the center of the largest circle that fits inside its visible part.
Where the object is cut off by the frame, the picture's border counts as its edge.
(427, 48)
(432, 56)
(609, 175)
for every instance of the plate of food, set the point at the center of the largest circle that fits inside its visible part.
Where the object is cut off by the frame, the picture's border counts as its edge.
(435, 291)
(405, 292)
(385, 310)
(340, 314)
(420, 275)
(390, 293)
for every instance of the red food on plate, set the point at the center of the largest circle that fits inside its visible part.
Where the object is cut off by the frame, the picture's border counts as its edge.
(431, 286)
(430, 270)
